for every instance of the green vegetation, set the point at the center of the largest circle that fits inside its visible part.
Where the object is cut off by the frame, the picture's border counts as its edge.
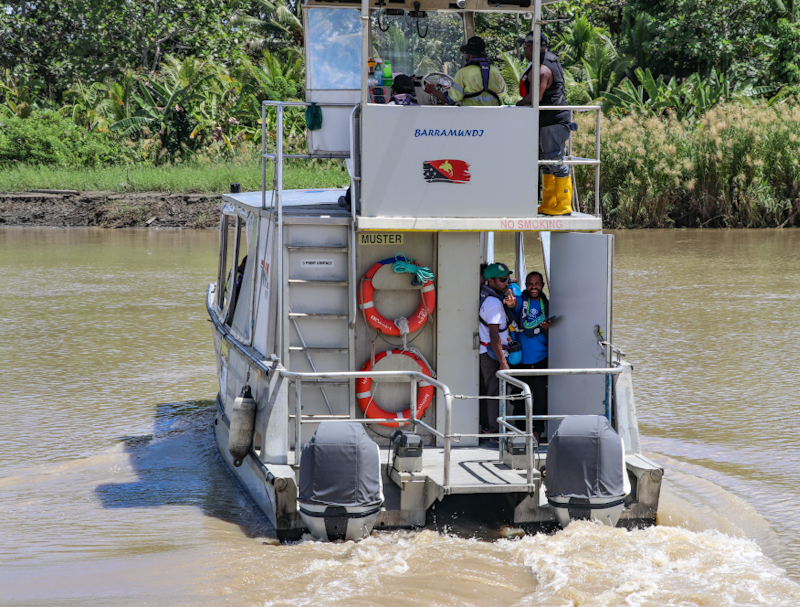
(700, 98)
(211, 177)
(737, 166)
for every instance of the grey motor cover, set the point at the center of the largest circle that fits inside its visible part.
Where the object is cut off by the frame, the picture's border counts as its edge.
(340, 466)
(585, 459)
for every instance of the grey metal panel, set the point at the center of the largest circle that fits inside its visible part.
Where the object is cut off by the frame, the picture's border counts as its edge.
(456, 320)
(318, 234)
(579, 275)
(319, 333)
(315, 298)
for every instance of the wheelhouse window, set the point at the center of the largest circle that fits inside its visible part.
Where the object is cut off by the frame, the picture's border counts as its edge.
(230, 251)
(334, 49)
(417, 46)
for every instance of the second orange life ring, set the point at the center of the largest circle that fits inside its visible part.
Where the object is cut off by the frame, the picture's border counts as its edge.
(364, 395)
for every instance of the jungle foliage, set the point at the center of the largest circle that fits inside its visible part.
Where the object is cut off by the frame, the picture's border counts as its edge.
(95, 83)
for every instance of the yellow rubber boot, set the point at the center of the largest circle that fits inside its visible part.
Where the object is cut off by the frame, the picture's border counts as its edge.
(563, 189)
(549, 200)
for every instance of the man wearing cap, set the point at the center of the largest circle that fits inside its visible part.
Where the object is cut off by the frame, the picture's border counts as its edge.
(493, 331)
(553, 127)
(477, 83)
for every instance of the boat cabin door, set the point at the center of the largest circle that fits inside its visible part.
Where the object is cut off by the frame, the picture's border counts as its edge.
(580, 277)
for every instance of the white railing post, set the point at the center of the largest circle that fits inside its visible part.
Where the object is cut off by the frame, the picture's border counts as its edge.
(279, 204)
(298, 412)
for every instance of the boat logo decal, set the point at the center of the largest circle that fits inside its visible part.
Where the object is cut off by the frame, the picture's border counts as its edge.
(446, 171)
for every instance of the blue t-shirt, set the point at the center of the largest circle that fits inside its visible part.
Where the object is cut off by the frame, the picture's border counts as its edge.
(534, 348)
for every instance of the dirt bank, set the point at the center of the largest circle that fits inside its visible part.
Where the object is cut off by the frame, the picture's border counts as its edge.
(110, 210)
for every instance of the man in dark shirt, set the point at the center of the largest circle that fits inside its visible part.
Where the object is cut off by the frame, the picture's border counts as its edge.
(553, 127)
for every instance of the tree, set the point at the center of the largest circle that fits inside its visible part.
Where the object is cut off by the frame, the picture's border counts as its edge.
(88, 40)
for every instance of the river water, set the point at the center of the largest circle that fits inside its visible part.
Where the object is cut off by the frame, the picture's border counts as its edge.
(112, 492)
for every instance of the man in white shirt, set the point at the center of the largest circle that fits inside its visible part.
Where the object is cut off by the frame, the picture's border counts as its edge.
(493, 331)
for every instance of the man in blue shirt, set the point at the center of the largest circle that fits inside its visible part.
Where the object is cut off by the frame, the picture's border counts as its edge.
(531, 314)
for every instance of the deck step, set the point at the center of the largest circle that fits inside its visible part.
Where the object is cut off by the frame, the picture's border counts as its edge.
(316, 349)
(473, 489)
(312, 249)
(320, 316)
(323, 283)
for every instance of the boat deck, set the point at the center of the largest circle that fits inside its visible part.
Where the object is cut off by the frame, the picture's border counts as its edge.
(472, 469)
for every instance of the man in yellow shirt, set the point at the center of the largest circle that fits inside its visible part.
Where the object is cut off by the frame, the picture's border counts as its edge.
(477, 83)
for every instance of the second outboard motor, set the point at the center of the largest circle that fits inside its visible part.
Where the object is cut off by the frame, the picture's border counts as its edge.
(586, 474)
(341, 489)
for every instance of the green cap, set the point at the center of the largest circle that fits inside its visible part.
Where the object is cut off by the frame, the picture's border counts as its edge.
(496, 270)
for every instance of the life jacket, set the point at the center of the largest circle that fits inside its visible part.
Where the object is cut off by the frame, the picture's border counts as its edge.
(489, 292)
(486, 67)
(554, 95)
(528, 327)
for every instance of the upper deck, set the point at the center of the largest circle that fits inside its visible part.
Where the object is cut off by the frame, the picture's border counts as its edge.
(429, 167)
(324, 205)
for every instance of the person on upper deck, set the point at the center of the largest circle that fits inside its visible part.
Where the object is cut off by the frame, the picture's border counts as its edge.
(403, 91)
(553, 126)
(477, 83)
(402, 94)
(493, 332)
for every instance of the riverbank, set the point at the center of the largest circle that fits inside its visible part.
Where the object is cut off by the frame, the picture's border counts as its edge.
(110, 210)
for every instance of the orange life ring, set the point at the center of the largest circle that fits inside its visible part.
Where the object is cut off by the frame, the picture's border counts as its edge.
(374, 319)
(370, 407)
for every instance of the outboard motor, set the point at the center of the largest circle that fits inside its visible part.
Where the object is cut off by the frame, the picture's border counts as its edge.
(586, 474)
(341, 489)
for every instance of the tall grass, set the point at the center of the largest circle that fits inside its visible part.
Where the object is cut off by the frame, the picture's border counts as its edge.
(212, 178)
(736, 166)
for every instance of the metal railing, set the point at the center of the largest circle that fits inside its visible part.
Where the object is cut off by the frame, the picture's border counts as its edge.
(511, 375)
(412, 376)
(569, 159)
(276, 206)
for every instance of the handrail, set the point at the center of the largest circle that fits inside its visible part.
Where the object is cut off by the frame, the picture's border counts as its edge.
(277, 187)
(510, 375)
(526, 390)
(413, 377)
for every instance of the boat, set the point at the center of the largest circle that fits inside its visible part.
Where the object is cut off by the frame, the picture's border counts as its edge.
(356, 311)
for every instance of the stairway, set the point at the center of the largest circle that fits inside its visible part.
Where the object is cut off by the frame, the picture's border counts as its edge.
(318, 312)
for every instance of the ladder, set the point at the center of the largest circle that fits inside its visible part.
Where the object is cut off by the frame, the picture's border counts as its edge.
(319, 314)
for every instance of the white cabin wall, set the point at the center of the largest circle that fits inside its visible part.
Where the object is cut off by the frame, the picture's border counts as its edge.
(458, 285)
(421, 247)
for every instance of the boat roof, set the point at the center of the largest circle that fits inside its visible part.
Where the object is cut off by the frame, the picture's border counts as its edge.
(323, 203)
(291, 198)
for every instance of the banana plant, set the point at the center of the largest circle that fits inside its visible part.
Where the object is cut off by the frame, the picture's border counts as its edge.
(163, 115)
(90, 108)
(20, 93)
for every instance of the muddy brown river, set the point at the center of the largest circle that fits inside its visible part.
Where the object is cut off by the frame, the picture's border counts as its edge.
(112, 492)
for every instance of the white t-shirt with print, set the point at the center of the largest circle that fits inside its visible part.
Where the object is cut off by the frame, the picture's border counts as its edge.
(493, 313)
